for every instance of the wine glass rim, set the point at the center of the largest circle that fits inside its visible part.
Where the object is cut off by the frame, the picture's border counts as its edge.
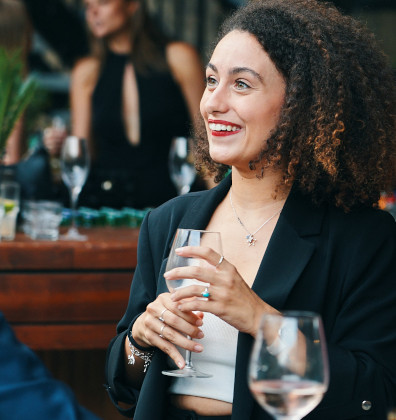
(198, 230)
(294, 313)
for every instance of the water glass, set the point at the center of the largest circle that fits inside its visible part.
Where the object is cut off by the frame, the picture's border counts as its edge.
(9, 198)
(41, 219)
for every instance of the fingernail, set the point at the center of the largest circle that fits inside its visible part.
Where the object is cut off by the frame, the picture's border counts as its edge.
(199, 322)
(198, 347)
(179, 308)
(180, 364)
(200, 335)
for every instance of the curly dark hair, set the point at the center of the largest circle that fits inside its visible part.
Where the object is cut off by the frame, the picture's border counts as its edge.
(336, 135)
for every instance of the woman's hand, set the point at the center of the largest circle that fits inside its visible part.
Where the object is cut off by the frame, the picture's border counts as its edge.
(230, 298)
(53, 138)
(164, 326)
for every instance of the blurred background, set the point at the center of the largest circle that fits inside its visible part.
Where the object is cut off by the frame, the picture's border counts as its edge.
(60, 38)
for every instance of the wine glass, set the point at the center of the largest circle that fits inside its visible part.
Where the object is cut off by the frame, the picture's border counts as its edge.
(288, 371)
(74, 167)
(181, 165)
(190, 237)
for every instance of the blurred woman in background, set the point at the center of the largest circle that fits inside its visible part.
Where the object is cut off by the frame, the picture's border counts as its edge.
(129, 98)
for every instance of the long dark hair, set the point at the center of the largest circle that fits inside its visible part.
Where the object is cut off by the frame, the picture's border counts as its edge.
(336, 136)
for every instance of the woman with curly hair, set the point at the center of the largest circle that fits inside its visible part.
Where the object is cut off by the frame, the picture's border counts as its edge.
(300, 104)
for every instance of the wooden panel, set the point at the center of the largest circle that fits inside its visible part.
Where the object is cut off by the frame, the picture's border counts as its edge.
(66, 337)
(34, 255)
(64, 297)
(106, 248)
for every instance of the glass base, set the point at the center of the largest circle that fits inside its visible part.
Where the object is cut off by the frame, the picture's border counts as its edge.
(73, 235)
(186, 373)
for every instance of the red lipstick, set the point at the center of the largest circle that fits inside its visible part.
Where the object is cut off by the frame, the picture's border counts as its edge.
(223, 133)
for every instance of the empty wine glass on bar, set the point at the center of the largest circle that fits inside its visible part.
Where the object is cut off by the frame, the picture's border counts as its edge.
(190, 237)
(181, 165)
(288, 371)
(75, 163)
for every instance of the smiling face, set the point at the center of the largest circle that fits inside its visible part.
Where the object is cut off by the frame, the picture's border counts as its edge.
(242, 101)
(108, 17)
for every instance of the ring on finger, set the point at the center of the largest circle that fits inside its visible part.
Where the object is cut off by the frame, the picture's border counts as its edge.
(220, 261)
(206, 293)
(161, 317)
(161, 331)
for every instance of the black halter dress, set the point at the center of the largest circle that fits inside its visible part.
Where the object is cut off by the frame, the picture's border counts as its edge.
(123, 174)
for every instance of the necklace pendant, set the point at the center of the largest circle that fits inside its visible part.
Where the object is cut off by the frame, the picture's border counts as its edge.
(251, 240)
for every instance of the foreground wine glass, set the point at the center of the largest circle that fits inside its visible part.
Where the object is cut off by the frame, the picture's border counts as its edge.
(190, 237)
(74, 167)
(181, 165)
(288, 372)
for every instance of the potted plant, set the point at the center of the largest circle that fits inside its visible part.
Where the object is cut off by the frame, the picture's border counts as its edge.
(16, 92)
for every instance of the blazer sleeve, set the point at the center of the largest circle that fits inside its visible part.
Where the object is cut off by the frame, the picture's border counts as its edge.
(362, 341)
(143, 291)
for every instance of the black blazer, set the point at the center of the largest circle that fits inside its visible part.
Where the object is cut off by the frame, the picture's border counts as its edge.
(319, 259)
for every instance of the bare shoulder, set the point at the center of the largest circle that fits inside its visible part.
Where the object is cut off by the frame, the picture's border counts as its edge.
(183, 59)
(85, 72)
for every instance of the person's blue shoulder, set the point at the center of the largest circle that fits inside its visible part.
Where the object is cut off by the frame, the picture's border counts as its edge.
(27, 389)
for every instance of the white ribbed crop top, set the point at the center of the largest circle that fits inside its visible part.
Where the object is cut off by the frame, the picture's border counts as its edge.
(217, 358)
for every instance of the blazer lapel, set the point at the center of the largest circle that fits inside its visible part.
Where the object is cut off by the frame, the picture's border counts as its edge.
(289, 250)
(201, 212)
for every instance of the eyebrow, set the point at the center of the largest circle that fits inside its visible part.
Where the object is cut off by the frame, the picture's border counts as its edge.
(237, 70)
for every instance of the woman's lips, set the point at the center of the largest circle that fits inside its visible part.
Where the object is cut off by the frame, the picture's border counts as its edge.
(222, 128)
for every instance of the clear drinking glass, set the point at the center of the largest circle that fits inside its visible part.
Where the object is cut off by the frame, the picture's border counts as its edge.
(74, 167)
(9, 202)
(181, 165)
(41, 219)
(190, 237)
(288, 371)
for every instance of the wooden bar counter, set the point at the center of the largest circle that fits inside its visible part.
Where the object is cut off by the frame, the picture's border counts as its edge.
(64, 300)
(67, 295)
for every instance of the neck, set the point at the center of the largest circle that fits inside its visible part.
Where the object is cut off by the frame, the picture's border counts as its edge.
(120, 43)
(254, 194)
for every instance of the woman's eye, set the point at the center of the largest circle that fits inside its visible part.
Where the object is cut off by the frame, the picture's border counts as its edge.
(210, 81)
(241, 85)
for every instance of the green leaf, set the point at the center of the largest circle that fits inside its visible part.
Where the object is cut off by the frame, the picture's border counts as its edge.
(15, 93)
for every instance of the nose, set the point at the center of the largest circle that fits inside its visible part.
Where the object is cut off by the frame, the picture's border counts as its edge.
(216, 101)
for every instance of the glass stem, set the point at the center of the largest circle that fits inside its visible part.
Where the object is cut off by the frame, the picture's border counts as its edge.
(184, 189)
(188, 361)
(73, 200)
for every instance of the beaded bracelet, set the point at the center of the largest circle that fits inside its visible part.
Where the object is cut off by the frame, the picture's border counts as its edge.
(146, 356)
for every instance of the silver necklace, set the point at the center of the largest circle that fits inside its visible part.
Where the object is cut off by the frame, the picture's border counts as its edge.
(250, 239)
